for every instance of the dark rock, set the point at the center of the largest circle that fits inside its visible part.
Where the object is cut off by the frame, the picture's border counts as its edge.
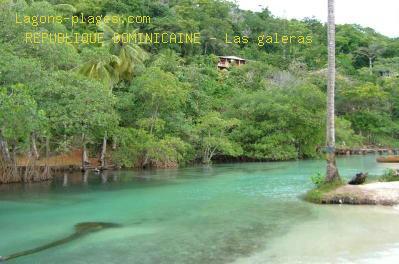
(359, 178)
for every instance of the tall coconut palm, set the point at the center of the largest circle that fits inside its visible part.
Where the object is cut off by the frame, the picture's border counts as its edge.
(101, 69)
(122, 60)
(130, 55)
(332, 170)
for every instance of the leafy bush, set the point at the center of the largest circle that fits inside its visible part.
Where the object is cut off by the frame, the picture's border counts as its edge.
(317, 179)
(346, 136)
(138, 148)
(389, 176)
(316, 195)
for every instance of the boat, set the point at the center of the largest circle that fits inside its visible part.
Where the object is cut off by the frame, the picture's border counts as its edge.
(388, 159)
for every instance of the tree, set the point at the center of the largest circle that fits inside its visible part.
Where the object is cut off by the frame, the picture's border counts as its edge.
(138, 148)
(332, 170)
(278, 96)
(117, 65)
(158, 99)
(80, 107)
(279, 124)
(99, 66)
(371, 53)
(18, 118)
(213, 136)
(130, 55)
(345, 135)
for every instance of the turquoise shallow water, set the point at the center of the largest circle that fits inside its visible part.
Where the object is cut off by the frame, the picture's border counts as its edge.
(230, 213)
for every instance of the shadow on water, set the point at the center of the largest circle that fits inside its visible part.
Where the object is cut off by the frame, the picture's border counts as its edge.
(81, 229)
(109, 180)
(79, 181)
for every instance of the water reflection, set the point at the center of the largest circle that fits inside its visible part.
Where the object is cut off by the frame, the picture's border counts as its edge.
(85, 177)
(65, 180)
(277, 172)
(104, 176)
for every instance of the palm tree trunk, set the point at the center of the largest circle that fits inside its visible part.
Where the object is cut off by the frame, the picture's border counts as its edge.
(332, 171)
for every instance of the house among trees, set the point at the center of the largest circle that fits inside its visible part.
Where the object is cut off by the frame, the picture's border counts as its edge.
(227, 61)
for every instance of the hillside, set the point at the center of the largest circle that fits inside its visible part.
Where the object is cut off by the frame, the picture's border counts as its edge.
(162, 103)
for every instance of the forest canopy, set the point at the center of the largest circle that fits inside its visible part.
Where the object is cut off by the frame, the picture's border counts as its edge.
(169, 104)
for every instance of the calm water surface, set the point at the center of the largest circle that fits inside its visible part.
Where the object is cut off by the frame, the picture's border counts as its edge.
(230, 213)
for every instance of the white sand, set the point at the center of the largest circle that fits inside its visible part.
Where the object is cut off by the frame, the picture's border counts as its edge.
(384, 193)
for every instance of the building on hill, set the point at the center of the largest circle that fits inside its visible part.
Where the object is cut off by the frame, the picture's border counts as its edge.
(228, 61)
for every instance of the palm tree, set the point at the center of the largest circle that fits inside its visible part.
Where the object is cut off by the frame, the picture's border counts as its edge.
(130, 55)
(101, 69)
(119, 61)
(332, 171)
(119, 64)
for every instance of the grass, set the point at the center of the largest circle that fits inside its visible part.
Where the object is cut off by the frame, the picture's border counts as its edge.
(316, 194)
(389, 176)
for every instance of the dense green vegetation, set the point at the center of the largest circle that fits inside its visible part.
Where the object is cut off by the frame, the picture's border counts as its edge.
(321, 187)
(389, 175)
(162, 105)
(317, 194)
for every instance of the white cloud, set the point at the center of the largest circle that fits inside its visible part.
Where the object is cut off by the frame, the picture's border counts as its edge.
(382, 15)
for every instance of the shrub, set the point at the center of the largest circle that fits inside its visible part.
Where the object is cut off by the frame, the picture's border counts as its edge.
(389, 175)
(317, 179)
(316, 194)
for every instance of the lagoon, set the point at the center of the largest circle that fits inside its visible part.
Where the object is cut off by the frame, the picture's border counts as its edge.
(226, 213)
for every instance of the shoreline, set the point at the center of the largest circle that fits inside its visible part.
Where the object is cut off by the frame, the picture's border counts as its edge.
(376, 193)
(71, 162)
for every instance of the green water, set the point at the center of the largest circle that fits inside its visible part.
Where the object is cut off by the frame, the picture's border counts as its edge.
(230, 213)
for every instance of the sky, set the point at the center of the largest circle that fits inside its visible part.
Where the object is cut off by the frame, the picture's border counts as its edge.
(381, 15)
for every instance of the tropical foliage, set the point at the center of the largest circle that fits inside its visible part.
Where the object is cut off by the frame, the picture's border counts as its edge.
(164, 105)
